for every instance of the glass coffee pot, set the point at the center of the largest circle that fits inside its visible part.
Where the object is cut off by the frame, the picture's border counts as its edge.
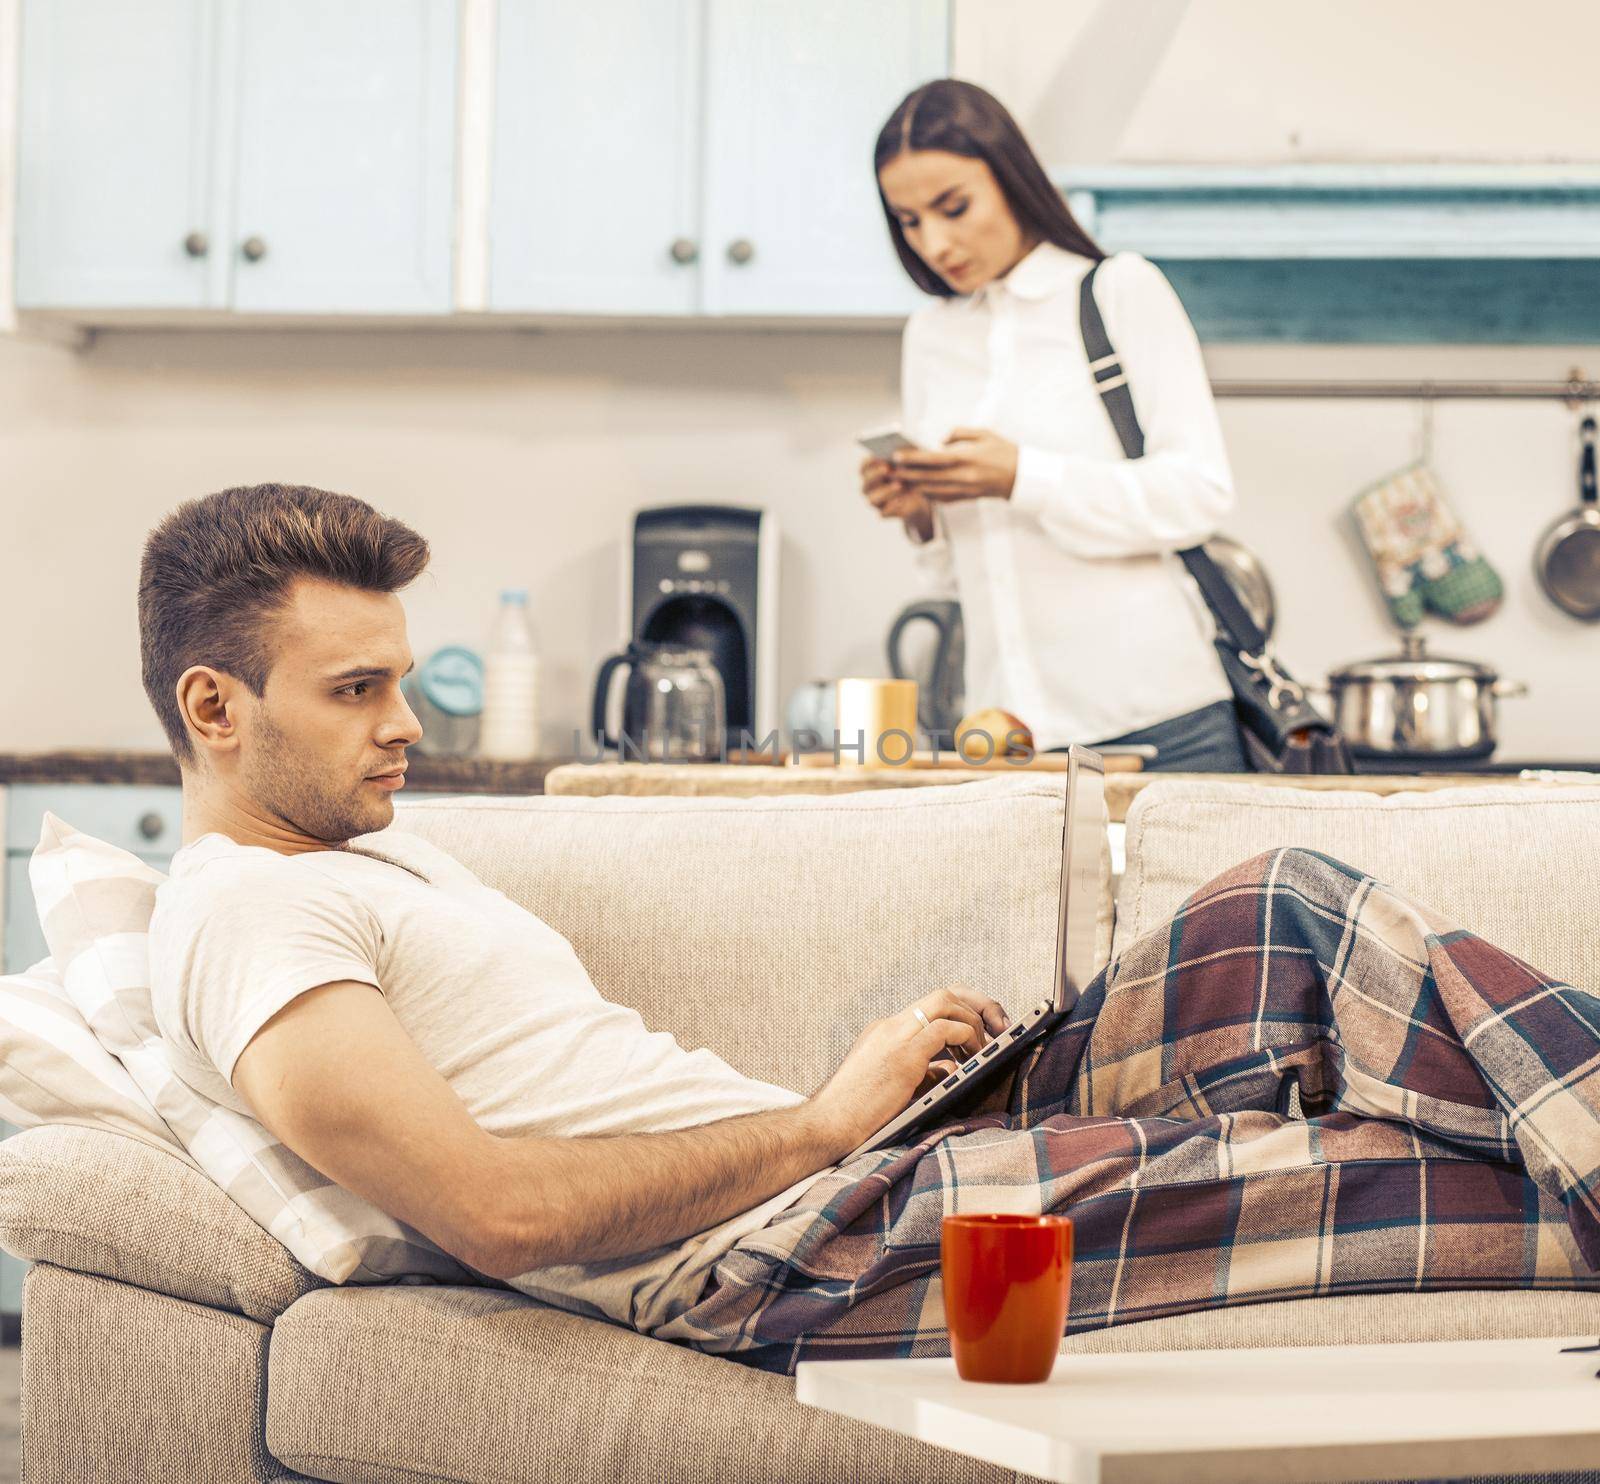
(673, 709)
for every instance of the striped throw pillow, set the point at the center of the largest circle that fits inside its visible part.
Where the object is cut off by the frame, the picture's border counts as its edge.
(52, 1070)
(94, 903)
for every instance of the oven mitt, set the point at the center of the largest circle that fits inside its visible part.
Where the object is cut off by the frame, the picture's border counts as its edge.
(1422, 556)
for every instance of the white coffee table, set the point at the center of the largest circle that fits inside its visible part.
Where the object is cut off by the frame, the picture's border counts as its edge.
(1447, 1410)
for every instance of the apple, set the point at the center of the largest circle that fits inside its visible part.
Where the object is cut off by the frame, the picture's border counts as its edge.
(991, 733)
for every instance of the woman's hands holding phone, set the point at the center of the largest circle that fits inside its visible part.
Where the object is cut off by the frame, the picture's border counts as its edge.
(974, 464)
(890, 497)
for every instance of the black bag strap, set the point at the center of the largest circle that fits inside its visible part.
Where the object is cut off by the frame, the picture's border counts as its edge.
(1111, 381)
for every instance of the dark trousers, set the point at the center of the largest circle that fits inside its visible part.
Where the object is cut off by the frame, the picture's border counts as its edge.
(1203, 741)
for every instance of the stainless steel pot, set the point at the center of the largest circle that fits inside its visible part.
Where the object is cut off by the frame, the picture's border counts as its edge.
(1418, 705)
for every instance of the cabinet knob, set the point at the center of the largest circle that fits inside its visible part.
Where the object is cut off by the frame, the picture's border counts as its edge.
(253, 248)
(684, 250)
(741, 250)
(151, 825)
(197, 244)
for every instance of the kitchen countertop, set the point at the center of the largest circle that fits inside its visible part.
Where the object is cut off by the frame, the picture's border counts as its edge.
(569, 776)
(745, 781)
(469, 775)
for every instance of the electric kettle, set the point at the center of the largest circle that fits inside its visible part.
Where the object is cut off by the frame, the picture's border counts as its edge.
(673, 708)
(936, 666)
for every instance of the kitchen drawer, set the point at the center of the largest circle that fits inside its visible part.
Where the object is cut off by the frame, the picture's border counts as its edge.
(147, 821)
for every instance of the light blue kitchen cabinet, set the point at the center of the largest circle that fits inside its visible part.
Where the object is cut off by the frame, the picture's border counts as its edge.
(795, 97)
(345, 175)
(146, 821)
(700, 156)
(595, 199)
(115, 205)
(25, 943)
(258, 155)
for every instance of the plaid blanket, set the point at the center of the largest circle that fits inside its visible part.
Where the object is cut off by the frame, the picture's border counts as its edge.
(1451, 1136)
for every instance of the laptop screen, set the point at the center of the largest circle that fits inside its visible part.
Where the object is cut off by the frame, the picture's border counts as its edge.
(1083, 843)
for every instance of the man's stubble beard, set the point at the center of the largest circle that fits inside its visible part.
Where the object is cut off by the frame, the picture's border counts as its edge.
(301, 792)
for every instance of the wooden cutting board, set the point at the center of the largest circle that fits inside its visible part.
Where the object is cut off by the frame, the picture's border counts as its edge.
(1040, 762)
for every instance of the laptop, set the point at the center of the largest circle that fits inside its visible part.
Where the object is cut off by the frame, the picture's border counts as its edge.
(1083, 832)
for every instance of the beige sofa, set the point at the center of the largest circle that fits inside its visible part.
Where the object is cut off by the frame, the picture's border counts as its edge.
(167, 1336)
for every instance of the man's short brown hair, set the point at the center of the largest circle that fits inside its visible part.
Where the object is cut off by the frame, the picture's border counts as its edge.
(217, 570)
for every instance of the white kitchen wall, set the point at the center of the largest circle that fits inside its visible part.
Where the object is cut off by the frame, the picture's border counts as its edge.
(521, 455)
(1259, 81)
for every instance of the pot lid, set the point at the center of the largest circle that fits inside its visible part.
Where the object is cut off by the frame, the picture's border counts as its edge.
(1414, 663)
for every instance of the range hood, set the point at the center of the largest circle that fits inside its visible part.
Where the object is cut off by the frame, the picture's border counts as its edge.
(1340, 211)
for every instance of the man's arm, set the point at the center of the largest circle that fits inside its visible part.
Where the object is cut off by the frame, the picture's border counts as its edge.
(588, 1199)
(336, 1078)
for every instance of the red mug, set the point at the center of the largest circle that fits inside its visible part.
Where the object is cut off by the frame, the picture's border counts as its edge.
(1007, 1280)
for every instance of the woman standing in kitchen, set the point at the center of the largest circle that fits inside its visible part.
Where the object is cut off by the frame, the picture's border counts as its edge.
(1078, 617)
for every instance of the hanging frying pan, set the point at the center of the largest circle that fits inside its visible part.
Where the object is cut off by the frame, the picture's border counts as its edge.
(1568, 559)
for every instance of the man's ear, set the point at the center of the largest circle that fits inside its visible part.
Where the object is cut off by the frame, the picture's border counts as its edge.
(208, 701)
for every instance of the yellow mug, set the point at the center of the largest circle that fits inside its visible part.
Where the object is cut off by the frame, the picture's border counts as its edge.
(876, 722)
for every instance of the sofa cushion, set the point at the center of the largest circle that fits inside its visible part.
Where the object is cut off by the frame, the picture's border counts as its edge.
(94, 903)
(480, 1384)
(773, 929)
(122, 1384)
(364, 1384)
(53, 1070)
(105, 1203)
(1516, 864)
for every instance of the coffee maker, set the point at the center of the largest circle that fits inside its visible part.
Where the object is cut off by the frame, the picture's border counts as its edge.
(706, 577)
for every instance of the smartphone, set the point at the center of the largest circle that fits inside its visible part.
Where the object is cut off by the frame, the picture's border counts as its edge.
(881, 442)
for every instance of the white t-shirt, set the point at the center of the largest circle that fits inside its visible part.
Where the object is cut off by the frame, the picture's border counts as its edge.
(495, 1000)
(1078, 618)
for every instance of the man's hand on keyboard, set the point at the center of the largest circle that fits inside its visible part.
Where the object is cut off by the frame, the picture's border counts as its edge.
(896, 1057)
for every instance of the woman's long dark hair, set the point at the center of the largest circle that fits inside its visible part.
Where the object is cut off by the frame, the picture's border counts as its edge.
(961, 119)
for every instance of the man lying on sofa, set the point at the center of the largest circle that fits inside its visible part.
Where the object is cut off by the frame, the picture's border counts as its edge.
(429, 1045)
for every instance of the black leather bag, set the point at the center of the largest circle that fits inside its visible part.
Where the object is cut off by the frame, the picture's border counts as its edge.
(1281, 731)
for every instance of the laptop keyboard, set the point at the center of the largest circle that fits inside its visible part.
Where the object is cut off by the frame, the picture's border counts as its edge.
(973, 1060)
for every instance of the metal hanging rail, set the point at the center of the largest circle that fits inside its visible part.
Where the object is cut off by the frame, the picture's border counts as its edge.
(1574, 391)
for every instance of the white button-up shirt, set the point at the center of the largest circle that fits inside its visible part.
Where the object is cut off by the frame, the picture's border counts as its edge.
(1078, 618)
